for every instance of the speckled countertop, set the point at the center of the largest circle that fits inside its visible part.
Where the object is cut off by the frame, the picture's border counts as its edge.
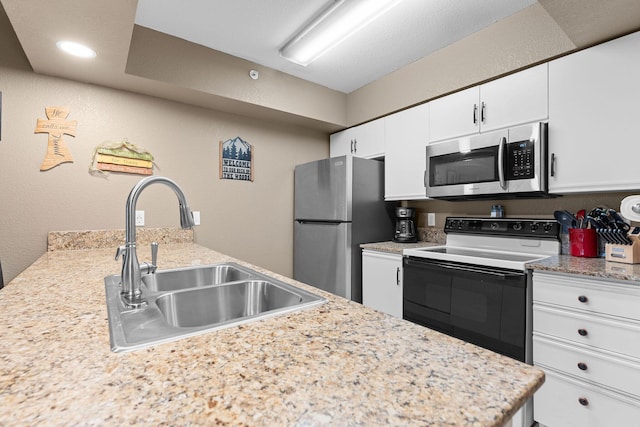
(396, 248)
(336, 364)
(594, 267)
(566, 264)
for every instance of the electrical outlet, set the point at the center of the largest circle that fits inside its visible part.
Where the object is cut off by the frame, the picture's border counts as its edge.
(431, 219)
(140, 218)
(196, 217)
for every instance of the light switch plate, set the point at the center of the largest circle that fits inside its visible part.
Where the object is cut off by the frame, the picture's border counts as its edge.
(196, 217)
(140, 218)
(431, 219)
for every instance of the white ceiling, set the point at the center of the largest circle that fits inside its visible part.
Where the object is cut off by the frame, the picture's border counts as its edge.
(419, 38)
(256, 29)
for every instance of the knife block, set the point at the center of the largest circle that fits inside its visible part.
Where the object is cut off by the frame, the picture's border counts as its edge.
(628, 254)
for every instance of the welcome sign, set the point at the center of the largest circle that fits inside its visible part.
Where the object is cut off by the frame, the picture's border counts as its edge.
(236, 160)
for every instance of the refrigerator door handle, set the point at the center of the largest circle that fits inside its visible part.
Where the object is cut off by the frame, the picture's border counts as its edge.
(330, 222)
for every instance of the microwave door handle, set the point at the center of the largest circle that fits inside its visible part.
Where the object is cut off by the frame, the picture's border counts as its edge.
(501, 148)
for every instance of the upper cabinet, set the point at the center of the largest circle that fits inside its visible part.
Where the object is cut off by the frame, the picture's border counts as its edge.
(405, 139)
(515, 99)
(593, 98)
(366, 140)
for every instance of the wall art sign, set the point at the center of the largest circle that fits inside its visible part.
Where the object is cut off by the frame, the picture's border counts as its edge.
(56, 125)
(123, 157)
(236, 160)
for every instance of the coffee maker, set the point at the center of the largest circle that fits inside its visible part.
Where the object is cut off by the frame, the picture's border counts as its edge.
(405, 226)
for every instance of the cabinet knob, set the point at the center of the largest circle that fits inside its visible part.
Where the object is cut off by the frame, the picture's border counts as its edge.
(582, 332)
(582, 366)
(583, 401)
(583, 298)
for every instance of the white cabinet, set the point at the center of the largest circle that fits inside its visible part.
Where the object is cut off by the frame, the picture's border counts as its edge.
(586, 337)
(405, 141)
(515, 99)
(593, 99)
(454, 115)
(382, 282)
(366, 140)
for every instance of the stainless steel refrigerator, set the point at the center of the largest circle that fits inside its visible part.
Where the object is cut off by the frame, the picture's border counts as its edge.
(339, 204)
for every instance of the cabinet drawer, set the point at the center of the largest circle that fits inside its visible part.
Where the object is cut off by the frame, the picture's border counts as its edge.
(614, 372)
(564, 402)
(587, 329)
(596, 296)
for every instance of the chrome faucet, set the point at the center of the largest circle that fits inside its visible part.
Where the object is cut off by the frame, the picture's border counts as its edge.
(131, 270)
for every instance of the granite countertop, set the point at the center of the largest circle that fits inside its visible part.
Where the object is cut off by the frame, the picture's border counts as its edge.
(594, 267)
(336, 364)
(396, 248)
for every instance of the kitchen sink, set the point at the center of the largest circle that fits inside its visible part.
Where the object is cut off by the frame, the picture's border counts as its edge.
(190, 277)
(190, 301)
(218, 304)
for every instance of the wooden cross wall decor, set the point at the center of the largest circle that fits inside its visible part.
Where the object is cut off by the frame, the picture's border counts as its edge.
(56, 126)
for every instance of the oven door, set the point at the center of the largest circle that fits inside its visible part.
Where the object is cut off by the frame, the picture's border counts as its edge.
(482, 305)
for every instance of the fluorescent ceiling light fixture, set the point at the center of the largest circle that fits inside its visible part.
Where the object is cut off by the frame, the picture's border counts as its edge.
(76, 49)
(336, 23)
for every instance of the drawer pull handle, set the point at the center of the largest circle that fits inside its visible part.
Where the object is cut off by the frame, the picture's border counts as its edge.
(583, 401)
(582, 332)
(582, 366)
(583, 298)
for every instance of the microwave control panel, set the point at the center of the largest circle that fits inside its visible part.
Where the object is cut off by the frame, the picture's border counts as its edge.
(520, 160)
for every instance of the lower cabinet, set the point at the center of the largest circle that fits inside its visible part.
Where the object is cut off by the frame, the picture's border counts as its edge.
(586, 337)
(382, 281)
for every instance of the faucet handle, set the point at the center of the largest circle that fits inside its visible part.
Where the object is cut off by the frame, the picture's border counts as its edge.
(120, 251)
(154, 253)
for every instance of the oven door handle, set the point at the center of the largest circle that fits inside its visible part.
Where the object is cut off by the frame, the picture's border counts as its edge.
(465, 268)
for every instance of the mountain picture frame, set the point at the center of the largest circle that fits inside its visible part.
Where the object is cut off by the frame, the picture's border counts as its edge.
(236, 160)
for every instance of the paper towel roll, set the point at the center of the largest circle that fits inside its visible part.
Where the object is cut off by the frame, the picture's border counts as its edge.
(630, 208)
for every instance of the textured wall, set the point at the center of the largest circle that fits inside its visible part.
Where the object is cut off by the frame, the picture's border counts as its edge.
(252, 221)
(518, 41)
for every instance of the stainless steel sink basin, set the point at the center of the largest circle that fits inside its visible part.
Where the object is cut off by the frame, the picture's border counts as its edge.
(190, 301)
(206, 306)
(190, 277)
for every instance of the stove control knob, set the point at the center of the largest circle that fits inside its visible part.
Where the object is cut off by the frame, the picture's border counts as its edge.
(494, 225)
(534, 226)
(517, 226)
(548, 226)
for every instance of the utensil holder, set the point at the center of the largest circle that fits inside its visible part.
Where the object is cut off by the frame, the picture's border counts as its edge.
(583, 242)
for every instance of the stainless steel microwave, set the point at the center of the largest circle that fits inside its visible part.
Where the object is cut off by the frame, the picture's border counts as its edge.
(505, 163)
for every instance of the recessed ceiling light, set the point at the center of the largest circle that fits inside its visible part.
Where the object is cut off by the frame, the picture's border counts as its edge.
(76, 49)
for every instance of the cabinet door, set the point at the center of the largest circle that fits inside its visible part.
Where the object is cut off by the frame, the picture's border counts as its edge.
(366, 140)
(341, 143)
(563, 401)
(382, 282)
(593, 97)
(369, 140)
(405, 140)
(516, 99)
(454, 115)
